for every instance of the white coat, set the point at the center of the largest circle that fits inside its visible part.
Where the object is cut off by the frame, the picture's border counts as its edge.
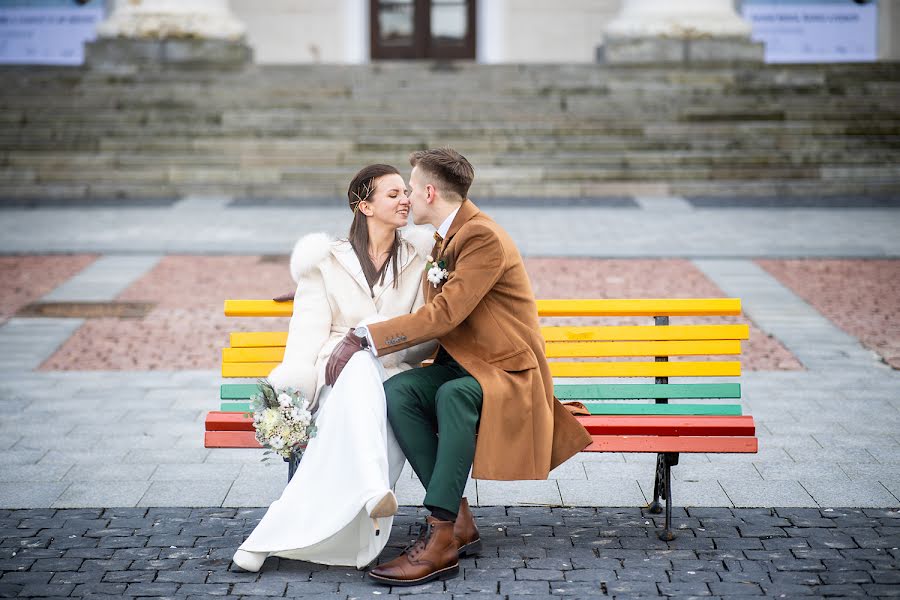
(333, 297)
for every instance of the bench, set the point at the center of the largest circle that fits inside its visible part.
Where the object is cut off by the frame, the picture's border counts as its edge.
(621, 418)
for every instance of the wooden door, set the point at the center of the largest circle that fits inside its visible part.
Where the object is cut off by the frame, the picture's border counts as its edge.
(423, 29)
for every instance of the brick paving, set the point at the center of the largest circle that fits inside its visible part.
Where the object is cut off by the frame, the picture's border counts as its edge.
(27, 278)
(529, 552)
(862, 297)
(188, 292)
(186, 328)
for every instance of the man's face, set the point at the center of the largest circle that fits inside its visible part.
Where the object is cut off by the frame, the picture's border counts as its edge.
(418, 193)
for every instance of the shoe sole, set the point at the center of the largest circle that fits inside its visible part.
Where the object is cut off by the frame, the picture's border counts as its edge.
(386, 507)
(447, 573)
(470, 549)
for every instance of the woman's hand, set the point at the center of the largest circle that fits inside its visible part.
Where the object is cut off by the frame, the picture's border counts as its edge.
(340, 356)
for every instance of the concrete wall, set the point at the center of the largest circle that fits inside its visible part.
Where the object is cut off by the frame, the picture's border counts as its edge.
(540, 31)
(306, 31)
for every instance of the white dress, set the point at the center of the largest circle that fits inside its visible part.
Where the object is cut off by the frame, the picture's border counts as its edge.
(353, 459)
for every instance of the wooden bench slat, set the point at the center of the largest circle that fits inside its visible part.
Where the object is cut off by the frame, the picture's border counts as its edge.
(666, 348)
(665, 425)
(253, 369)
(642, 333)
(648, 391)
(228, 421)
(649, 307)
(634, 408)
(230, 439)
(258, 308)
(689, 444)
(239, 391)
(643, 369)
(236, 407)
(553, 350)
(564, 369)
(257, 339)
(243, 355)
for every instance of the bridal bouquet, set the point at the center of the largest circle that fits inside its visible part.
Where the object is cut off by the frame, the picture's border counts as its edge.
(282, 420)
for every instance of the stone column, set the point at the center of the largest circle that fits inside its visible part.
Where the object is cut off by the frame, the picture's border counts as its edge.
(679, 31)
(146, 32)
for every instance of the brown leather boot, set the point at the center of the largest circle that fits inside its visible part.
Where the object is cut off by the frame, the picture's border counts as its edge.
(433, 556)
(465, 531)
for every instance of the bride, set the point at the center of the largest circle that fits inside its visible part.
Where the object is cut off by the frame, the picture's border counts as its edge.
(338, 507)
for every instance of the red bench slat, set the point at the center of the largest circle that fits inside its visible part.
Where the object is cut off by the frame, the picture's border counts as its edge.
(228, 421)
(674, 425)
(645, 443)
(230, 439)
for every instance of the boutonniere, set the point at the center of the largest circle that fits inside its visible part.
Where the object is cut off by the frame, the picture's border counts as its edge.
(436, 272)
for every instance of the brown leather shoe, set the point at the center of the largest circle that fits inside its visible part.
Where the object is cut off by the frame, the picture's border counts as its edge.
(465, 531)
(433, 556)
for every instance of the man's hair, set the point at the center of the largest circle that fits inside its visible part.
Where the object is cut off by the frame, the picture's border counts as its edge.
(453, 172)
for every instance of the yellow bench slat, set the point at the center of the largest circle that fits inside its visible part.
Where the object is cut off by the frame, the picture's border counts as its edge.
(258, 308)
(245, 355)
(258, 339)
(646, 369)
(549, 308)
(677, 348)
(553, 350)
(251, 369)
(643, 333)
(650, 307)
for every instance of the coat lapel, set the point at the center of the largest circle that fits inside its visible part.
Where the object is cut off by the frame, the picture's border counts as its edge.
(467, 210)
(347, 258)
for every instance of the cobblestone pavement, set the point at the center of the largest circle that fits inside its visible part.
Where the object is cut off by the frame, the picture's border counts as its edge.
(528, 552)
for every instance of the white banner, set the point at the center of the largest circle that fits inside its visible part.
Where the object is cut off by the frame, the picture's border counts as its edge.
(804, 32)
(47, 36)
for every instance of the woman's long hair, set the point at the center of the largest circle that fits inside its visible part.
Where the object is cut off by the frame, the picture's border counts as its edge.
(362, 186)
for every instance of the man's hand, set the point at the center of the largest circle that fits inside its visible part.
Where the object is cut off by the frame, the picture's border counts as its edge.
(340, 356)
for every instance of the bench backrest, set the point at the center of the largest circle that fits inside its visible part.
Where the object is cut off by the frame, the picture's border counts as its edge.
(658, 351)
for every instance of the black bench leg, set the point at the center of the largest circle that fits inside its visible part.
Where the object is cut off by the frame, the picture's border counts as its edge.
(655, 507)
(670, 460)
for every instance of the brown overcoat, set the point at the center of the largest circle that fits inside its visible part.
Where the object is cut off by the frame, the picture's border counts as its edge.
(485, 316)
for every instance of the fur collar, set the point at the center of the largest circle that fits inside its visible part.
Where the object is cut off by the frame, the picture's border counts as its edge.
(313, 248)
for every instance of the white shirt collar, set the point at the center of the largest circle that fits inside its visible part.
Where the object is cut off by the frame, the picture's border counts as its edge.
(445, 226)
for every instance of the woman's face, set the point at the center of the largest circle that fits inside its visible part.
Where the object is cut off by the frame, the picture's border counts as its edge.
(388, 204)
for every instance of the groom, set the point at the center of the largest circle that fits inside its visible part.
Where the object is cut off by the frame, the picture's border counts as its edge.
(490, 376)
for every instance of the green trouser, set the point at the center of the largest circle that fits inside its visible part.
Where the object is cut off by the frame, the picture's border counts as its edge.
(441, 398)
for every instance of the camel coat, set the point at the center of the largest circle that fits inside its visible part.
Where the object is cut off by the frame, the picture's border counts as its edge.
(485, 316)
(333, 297)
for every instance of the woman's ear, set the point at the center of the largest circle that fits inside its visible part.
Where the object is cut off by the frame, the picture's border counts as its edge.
(365, 209)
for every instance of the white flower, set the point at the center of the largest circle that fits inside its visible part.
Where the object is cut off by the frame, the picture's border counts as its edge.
(276, 442)
(429, 259)
(436, 275)
(284, 400)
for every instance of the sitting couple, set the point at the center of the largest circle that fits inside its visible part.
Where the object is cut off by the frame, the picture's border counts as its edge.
(367, 311)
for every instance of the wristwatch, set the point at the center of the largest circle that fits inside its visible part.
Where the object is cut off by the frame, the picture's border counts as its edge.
(364, 339)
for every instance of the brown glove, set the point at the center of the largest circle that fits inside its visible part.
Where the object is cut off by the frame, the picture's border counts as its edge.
(289, 297)
(340, 356)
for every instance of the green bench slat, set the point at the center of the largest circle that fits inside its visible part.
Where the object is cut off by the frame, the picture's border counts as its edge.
(237, 391)
(637, 391)
(634, 408)
(236, 407)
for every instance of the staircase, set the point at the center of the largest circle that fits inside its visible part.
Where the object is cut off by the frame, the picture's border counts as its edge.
(531, 131)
